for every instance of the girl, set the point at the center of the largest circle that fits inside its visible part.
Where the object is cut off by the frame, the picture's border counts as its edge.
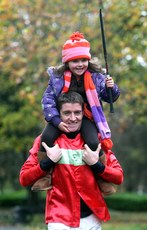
(78, 73)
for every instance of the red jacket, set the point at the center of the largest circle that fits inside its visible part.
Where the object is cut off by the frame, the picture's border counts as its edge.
(72, 179)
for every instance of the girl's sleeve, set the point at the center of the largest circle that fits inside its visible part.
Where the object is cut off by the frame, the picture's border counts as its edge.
(102, 90)
(49, 101)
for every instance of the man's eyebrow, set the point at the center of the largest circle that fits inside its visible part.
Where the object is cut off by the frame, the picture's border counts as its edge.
(68, 111)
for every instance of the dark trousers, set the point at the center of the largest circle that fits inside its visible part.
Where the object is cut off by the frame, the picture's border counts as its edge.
(89, 134)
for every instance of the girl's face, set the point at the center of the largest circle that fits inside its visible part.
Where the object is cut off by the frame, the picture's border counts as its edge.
(78, 66)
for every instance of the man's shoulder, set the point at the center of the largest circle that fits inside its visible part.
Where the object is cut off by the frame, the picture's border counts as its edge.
(110, 155)
(36, 145)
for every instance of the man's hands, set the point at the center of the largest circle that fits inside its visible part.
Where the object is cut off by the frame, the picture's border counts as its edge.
(91, 157)
(54, 153)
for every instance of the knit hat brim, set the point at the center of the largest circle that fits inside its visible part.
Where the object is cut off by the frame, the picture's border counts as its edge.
(75, 53)
(76, 47)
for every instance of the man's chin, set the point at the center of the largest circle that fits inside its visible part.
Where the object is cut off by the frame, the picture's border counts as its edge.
(73, 129)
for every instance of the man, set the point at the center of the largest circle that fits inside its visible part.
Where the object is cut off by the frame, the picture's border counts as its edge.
(75, 200)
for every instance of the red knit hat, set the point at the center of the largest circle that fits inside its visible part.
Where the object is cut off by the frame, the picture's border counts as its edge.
(76, 47)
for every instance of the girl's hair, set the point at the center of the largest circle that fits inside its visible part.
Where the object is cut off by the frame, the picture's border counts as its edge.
(93, 66)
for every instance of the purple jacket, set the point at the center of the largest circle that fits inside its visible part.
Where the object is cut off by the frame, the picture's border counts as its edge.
(55, 86)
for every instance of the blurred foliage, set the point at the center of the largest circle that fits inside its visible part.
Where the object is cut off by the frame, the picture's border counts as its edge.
(127, 202)
(31, 37)
(118, 201)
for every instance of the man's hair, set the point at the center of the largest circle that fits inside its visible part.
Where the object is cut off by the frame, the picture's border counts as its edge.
(70, 97)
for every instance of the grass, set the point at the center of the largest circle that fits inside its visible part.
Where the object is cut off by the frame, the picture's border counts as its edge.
(119, 221)
(120, 226)
(126, 221)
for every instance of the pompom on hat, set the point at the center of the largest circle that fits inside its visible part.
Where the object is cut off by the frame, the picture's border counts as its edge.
(76, 47)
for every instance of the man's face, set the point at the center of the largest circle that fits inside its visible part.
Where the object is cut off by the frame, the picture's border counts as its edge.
(72, 114)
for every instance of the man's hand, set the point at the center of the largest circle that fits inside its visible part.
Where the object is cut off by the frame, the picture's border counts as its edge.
(91, 157)
(63, 127)
(54, 153)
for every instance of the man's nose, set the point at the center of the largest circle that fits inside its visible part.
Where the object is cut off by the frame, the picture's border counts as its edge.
(72, 117)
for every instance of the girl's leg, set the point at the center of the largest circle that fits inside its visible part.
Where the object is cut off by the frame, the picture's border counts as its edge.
(89, 133)
(49, 135)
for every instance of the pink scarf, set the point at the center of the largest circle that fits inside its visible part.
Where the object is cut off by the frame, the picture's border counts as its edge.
(92, 97)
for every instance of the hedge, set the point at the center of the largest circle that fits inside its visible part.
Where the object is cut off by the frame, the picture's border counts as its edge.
(118, 201)
(127, 202)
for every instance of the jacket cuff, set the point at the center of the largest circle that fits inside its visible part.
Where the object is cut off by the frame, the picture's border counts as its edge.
(46, 164)
(56, 121)
(98, 168)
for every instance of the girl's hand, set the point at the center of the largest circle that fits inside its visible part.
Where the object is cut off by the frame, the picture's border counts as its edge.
(109, 82)
(63, 127)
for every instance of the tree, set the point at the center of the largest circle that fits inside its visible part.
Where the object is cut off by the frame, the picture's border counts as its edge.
(31, 39)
